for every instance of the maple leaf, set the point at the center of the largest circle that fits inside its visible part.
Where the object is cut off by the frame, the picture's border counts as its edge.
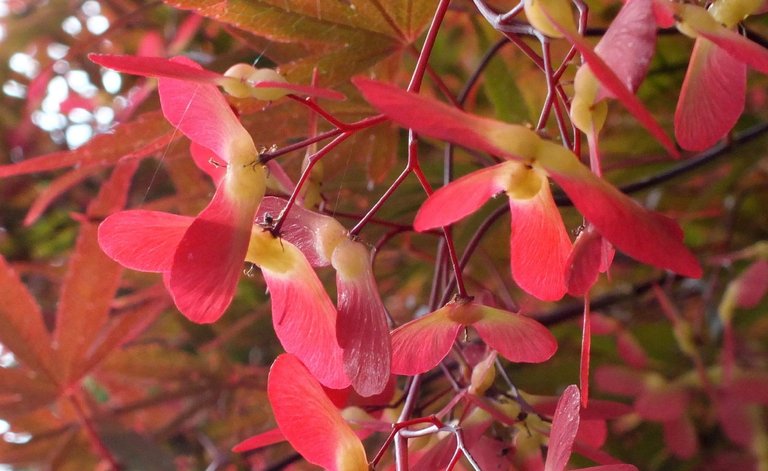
(341, 38)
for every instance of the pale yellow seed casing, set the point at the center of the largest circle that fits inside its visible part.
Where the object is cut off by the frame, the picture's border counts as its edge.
(267, 75)
(247, 184)
(246, 76)
(351, 455)
(730, 12)
(246, 178)
(538, 13)
(483, 375)
(694, 19)
(350, 259)
(270, 252)
(517, 140)
(522, 181)
(329, 236)
(586, 113)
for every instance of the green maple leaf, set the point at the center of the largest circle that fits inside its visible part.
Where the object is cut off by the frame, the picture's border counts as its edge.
(341, 37)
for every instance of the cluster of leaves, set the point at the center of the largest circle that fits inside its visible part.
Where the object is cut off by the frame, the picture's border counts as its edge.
(290, 168)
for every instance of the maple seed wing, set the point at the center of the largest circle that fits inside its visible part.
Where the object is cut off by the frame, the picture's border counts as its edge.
(361, 325)
(516, 337)
(629, 42)
(204, 116)
(642, 234)
(303, 316)
(565, 424)
(741, 48)
(432, 118)
(261, 440)
(309, 420)
(421, 344)
(155, 67)
(460, 198)
(712, 97)
(143, 240)
(539, 245)
(618, 89)
(209, 258)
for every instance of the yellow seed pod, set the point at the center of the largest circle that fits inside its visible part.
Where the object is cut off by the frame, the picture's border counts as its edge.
(694, 19)
(238, 88)
(247, 76)
(268, 251)
(267, 94)
(539, 12)
(524, 182)
(586, 113)
(730, 12)
(483, 375)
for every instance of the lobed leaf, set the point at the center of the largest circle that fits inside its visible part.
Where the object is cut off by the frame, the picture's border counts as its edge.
(22, 329)
(140, 138)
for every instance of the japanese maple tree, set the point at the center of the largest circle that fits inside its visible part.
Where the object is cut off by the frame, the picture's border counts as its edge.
(283, 234)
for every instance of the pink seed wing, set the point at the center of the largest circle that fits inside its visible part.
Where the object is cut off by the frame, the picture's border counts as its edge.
(304, 318)
(617, 88)
(200, 111)
(143, 240)
(741, 48)
(303, 228)
(210, 256)
(584, 262)
(421, 344)
(712, 97)
(438, 120)
(642, 234)
(309, 420)
(205, 160)
(516, 337)
(155, 67)
(361, 325)
(628, 45)
(261, 440)
(565, 425)
(460, 198)
(539, 245)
